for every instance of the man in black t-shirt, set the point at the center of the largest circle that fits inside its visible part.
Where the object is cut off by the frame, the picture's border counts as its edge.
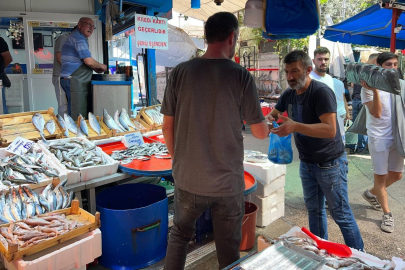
(5, 60)
(312, 107)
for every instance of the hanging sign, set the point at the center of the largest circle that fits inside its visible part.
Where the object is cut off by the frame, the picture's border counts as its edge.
(33, 23)
(151, 32)
(63, 25)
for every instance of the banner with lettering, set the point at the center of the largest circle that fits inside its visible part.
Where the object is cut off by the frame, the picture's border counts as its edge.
(151, 32)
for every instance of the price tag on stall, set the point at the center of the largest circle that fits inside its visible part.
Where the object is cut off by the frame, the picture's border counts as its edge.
(63, 24)
(20, 146)
(132, 139)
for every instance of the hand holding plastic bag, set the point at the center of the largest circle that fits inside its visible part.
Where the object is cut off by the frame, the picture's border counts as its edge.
(280, 149)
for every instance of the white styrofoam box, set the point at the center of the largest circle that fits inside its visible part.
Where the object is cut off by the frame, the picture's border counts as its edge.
(367, 258)
(271, 215)
(90, 172)
(49, 160)
(266, 190)
(72, 176)
(266, 203)
(72, 254)
(265, 172)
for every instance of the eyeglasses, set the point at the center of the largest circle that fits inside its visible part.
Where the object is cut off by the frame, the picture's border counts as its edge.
(91, 26)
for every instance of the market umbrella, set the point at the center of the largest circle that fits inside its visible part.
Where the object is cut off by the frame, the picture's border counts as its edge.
(370, 27)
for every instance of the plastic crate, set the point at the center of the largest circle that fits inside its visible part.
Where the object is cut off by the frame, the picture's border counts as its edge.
(203, 226)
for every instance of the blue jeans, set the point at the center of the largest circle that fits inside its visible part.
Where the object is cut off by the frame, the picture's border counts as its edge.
(362, 139)
(3, 94)
(66, 87)
(329, 180)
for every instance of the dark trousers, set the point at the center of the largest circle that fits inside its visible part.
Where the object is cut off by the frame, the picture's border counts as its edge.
(65, 84)
(227, 214)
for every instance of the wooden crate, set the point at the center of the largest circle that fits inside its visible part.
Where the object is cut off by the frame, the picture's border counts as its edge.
(116, 133)
(13, 252)
(146, 118)
(20, 124)
(105, 132)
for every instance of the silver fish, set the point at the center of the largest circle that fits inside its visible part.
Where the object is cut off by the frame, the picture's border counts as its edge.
(117, 120)
(8, 214)
(94, 124)
(70, 124)
(123, 122)
(126, 118)
(59, 199)
(83, 126)
(65, 197)
(50, 126)
(44, 202)
(39, 123)
(16, 211)
(63, 125)
(109, 121)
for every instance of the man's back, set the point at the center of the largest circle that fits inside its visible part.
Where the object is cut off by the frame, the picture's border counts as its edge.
(209, 99)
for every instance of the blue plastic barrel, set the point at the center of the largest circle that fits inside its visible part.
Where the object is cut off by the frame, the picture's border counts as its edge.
(134, 225)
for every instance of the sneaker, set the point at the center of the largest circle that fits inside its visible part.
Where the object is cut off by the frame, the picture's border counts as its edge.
(387, 224)
(363, 152)
(352, 151)
(372, 199)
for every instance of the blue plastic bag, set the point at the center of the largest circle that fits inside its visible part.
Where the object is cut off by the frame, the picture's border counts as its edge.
(280, 149)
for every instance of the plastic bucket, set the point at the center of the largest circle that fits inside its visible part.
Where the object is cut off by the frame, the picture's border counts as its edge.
(249, 226)
(134, 225)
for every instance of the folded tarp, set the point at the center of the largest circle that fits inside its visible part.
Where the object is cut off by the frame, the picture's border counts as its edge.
(375, 76)
(291, 18)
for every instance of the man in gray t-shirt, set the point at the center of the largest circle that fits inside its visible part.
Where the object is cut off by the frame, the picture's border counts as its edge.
(205, 103)
(57, 67)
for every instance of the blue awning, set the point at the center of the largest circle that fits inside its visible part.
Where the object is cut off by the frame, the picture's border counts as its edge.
(371, 27)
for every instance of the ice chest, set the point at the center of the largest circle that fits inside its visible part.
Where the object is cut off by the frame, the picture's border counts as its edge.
(134, 225)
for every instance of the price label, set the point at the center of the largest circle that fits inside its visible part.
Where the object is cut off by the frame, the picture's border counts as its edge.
(37, 71)
(33, 23)
(132, 139)
(63, 25)
(20, 146)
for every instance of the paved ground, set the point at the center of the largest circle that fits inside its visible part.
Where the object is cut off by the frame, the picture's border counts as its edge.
(378, 243)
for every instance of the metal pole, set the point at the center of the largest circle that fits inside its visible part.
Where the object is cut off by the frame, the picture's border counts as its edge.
(395, 15)
(318, 37)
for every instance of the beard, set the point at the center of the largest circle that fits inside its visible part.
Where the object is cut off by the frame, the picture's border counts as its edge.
(298, 84)
(321, 69)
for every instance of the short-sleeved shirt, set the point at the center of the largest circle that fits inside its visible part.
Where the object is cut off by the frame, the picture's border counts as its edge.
(306, 108)
(378, 127)
(74, 50)
(327, 79)
(209, 99)
(3, 48)
(57, 68)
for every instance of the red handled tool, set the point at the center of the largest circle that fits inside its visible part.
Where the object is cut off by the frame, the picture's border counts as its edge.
(333, 248)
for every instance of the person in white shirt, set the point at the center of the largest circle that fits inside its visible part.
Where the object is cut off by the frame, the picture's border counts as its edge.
(387, 163)
(321, 62)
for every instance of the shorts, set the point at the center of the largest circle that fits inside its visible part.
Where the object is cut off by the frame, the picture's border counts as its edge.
(384, 156)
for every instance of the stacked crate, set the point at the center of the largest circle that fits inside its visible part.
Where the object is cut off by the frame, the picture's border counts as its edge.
(269, 195)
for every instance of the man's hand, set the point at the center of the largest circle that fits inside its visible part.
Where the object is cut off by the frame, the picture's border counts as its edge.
(101, 69)
(269, 118)
(286, 128)
(347, 116)
(365, 85)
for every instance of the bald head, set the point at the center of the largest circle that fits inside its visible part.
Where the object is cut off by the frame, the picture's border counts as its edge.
(86, 26)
